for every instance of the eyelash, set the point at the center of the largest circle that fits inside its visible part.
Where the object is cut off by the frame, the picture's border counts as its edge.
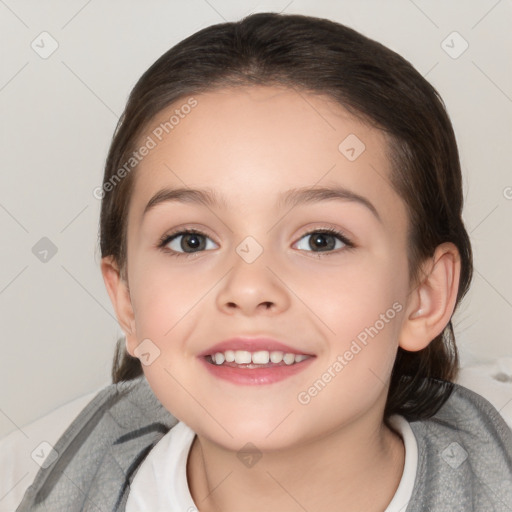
(327, 231)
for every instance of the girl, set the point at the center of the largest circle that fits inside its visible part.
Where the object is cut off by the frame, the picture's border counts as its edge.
(282, 242)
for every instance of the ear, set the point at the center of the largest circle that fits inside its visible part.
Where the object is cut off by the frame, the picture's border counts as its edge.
(119, 292)
(431, 303)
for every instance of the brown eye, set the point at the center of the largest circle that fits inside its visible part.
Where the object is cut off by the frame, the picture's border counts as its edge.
(322, 241)
(188, 242)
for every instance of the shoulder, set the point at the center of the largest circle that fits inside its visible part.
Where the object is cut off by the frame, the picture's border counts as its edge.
(464, 456)
(101, 450)
(470, 418)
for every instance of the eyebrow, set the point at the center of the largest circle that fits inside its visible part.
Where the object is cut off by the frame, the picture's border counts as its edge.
(290, 198)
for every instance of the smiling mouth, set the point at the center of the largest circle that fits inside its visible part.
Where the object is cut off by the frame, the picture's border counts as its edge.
(257, 359)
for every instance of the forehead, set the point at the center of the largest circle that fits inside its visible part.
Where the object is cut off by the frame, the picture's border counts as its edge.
(238, 118)
(249, 142)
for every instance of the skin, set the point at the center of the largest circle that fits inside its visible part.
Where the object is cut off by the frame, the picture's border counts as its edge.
(250, 145)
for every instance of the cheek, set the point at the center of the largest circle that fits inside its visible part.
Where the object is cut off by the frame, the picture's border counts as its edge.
(361, 309)
(167, 306)
(353, 296)
(364, 319)
(165, 294)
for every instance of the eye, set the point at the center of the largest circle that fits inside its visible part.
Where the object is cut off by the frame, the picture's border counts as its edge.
(323, 240)
(186, 241)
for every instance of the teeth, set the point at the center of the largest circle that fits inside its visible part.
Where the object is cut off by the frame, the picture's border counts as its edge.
(261, 357)
(289, 358)
(258, 357)
(242, 357)
(276, 356)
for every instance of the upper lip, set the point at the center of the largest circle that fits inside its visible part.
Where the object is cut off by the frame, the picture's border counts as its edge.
(251, 345)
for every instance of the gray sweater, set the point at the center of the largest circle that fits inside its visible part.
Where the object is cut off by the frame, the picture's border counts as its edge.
(464, 455)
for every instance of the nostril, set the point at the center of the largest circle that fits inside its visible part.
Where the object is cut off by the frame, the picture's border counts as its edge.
(267, 305)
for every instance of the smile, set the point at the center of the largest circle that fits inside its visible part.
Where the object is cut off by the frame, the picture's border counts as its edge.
(257, 359)
(220, 366)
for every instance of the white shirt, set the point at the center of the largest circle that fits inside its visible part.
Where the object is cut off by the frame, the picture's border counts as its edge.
(160, 484)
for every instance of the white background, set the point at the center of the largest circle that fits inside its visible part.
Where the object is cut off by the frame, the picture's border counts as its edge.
(58, 115)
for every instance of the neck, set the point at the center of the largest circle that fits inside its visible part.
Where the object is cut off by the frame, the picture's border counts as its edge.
(357, 467)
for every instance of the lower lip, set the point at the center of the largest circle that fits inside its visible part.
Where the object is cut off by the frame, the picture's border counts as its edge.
(256, 376)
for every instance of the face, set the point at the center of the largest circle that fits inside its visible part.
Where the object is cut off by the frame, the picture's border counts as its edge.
(271, 257)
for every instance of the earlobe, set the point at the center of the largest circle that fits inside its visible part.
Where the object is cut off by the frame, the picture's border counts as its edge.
(432, 302)
(119, 294)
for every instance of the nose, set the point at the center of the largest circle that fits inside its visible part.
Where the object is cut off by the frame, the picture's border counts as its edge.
(252, 288)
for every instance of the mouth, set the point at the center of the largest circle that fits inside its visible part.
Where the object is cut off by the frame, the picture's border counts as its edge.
(254, 361)
(257, 359)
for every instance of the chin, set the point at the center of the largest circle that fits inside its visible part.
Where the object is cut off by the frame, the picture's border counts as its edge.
(249, 435)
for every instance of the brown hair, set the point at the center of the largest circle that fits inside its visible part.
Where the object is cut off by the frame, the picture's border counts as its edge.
(374, 83)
